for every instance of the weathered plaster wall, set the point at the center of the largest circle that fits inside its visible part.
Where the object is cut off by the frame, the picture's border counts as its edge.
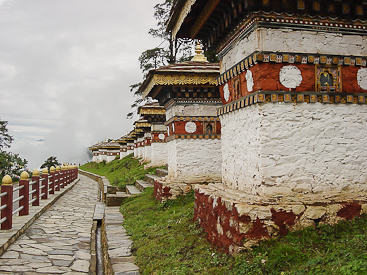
(147, 153)
(194, 160)
(280, 148)
(158, 154)
(191, 110)
(233, 225)
(283, 40)
(158, 127)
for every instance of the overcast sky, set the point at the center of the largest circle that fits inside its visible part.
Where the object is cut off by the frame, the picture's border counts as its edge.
(65, 71)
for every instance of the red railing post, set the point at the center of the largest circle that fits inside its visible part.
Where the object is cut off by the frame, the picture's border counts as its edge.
(24, 181)
(52, 180)
(57, 178)
(66, 175)
(76, 172)
(36, 186)
(7, 213)
(63, 175)
(44, 190)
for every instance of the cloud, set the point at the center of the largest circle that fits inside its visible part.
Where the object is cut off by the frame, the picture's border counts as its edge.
(65, 71)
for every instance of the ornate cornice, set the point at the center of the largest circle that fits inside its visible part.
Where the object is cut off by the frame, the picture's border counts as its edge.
(290, 58)
(178, 79)
(293, 97)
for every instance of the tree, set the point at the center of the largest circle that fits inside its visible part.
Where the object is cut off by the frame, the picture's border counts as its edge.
(10, 164)
(51, 161)
(172, 51)
(5, 138)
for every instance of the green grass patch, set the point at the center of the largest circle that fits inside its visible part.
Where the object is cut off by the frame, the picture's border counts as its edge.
(168, 241)
(120, 172)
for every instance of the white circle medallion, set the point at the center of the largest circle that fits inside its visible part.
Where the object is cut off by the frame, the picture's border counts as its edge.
(161, 136)
(250, 81)
(190, 127)
(290, 76)
(226, 92)
(362, 78)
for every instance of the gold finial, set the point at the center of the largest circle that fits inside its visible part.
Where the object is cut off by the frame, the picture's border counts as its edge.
(7, 180)
(52, 169)
(24, 175)
(199, 54)
(58, 168)
(36, 172)
(44, 171)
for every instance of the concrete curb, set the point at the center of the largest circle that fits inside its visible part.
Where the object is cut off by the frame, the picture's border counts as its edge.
(22, 223)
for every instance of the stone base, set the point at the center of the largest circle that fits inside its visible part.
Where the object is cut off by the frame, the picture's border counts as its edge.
(164, 190)
(236, 224)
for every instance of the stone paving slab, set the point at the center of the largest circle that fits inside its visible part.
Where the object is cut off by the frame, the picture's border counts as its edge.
(21, 223)
(58, 242)
(119, 244)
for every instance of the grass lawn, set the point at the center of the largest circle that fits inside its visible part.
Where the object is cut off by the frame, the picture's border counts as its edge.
(168, 241)
(119, 172)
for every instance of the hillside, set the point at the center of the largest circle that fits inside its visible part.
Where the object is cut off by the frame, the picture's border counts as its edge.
(168, 241)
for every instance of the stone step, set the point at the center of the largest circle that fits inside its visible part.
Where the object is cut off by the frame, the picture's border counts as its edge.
(151, 178)
(116, 199)
(162, 172)
(132, 190)
(142, 184)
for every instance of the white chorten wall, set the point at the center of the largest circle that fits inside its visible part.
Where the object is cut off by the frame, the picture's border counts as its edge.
(282, 40)
(159, 154)
(158, 150)
(194, 160)
(95, 157)
(102, 155)
(130, 148)
(136, 155)
(147, 153)
(111, 154)
(123, 151)
(140, 150)
(280, 148)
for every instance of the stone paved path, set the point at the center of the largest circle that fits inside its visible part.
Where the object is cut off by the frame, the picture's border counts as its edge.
(59, 241)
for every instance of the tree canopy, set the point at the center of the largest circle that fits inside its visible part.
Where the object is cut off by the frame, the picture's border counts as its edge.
(10, 164)
(169, 51)
(51, 161)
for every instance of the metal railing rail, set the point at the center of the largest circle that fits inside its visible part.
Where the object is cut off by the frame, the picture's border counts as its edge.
(47, 183)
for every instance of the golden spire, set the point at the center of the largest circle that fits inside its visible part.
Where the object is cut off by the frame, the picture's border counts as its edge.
(199, 53)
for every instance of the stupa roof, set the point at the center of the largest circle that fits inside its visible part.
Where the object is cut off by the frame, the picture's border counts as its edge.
(198, 71)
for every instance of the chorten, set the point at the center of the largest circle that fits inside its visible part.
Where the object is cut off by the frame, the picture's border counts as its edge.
(155, 149)
(293, 81)
(188, 93)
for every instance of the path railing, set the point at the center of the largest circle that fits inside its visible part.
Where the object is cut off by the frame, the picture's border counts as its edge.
(31, 192)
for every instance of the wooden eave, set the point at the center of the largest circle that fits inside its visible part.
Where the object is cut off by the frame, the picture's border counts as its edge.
(212, 20)
(181, 74)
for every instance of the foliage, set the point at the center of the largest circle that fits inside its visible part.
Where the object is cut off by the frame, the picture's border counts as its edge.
(51, 161)
(166, 240)
(5, 138)
(10, 163)
(119, 172)
(169, 51)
